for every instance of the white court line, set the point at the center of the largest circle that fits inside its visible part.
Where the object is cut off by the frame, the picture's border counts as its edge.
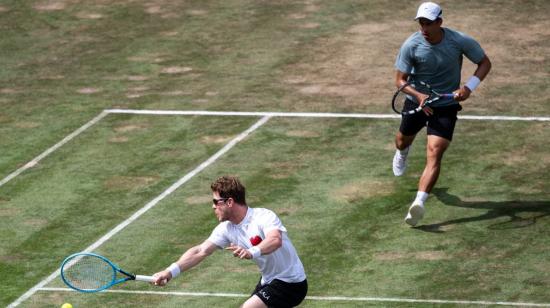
(38, 158)
(310, 114)
(148, 206)
(319, 298)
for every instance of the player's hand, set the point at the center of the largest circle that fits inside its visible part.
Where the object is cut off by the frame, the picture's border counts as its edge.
(239, 251)
(161, 278)
(462, 94)
(422, 99)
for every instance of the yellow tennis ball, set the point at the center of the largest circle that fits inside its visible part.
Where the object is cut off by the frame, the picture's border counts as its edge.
(66, 305)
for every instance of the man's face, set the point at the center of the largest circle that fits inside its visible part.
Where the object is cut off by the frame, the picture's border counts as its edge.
(219, 205)
(431, 30)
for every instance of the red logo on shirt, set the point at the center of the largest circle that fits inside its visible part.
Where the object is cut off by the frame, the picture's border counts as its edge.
(255, 240)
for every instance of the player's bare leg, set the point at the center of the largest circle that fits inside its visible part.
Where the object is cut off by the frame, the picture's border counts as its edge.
(402, 144)
(254, 302)
(435, 148)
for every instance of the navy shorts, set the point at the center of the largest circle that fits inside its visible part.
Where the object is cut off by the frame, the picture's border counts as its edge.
(281, 294)
(441, 123)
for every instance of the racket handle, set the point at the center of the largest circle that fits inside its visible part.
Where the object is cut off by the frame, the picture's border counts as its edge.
(448, 95)
(145, 278)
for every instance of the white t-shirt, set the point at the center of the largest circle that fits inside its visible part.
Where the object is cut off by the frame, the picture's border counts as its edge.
(283, 264)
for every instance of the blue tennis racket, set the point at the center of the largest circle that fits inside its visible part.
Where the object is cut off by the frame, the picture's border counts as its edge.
(90, 272)
(400, 96)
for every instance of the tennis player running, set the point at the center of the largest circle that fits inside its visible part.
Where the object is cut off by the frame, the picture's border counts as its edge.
(433, 55)
(250, 233)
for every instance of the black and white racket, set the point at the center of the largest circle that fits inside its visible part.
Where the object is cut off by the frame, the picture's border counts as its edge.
(89, 272)
(400, 96)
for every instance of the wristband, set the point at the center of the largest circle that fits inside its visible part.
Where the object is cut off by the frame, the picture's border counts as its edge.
(255, 252)
(174, 269)
(472, 83)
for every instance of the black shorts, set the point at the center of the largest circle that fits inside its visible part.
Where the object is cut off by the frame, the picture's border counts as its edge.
(278, 293)
(441, 123)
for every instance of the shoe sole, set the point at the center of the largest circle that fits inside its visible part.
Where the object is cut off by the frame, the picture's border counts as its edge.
(416, 212)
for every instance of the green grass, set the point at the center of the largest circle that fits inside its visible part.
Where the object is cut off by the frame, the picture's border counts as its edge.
(486, 230)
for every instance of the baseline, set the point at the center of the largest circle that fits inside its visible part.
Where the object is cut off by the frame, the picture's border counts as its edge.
(309, 114)
(321, 298)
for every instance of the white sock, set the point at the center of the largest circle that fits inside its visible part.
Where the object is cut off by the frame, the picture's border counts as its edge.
(421, 197)
(404, 152)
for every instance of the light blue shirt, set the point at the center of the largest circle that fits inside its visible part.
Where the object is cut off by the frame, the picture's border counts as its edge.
(438, 65)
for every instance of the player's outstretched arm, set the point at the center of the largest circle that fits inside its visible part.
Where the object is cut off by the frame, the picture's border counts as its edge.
(189, 259)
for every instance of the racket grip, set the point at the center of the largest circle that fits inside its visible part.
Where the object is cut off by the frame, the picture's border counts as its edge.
(145, 278)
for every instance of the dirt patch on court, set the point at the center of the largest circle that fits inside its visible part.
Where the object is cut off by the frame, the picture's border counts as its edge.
(281, 170)
(36, 222)
(196, 12)
(431, 255)
(351, 66)
(302, 133)
(88, 90)
(50, 6)
(130, 182)
(27, 124)
(362, 189)
(175, 70)
(11, 258)
(125, 128)
(8, 212)
(88, 15)
(118, 139)
(199, 200)
(216, 139)
(8, 91)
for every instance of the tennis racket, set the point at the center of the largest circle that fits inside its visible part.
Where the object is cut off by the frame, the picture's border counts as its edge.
(89, 272)
(399, 98)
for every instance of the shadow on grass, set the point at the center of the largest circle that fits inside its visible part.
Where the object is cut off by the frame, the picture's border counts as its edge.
(512, 209)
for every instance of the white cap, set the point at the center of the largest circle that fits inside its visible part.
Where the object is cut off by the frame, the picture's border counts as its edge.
(429, 10)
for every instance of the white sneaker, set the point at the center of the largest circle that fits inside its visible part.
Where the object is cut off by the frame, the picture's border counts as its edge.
(416, 212)
(400, 162)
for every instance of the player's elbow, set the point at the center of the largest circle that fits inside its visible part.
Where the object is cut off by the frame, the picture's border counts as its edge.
(277, 243)
(486, 65)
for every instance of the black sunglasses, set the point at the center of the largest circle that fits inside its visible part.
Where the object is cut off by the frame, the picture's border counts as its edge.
(216, 201)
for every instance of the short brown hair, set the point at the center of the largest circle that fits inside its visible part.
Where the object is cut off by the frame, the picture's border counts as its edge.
(229, 187)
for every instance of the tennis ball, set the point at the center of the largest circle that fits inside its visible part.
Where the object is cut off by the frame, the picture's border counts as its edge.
(66, 305)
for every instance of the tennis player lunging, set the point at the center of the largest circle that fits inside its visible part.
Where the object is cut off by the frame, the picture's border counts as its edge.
(433, 55)
(250, 233)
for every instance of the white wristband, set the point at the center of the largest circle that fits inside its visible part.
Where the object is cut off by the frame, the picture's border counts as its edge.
(255, 251)
(174, 269)
(472, 83)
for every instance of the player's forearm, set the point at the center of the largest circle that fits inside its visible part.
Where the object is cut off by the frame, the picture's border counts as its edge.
(270, 244)
(483, 68)
(191, 257)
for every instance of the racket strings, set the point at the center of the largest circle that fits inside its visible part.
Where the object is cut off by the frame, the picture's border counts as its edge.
(89, 273)
(399, 101)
